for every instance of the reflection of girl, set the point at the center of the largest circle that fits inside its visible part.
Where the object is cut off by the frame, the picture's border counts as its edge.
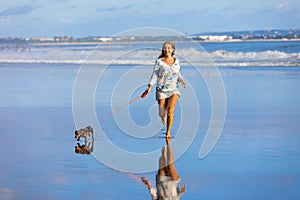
(167, 179)
(166, 75)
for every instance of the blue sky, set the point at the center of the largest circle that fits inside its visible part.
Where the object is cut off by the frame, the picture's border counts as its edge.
(80, 18)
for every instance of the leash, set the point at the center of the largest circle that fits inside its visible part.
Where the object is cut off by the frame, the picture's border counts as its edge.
(123, 106)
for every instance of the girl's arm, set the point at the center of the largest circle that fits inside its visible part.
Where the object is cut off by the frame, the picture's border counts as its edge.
(154, 75)
(153, 78)
(181, 80)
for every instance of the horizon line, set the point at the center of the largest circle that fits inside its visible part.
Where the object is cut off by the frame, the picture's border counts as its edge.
(184, 33)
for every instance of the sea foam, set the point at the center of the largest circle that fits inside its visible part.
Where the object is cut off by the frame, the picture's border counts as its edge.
(187, 56)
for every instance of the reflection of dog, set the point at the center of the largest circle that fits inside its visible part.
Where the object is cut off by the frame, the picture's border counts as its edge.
(83, 149)
(84, 133)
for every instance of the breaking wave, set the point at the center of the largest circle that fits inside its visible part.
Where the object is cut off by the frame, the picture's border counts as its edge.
(188, 56)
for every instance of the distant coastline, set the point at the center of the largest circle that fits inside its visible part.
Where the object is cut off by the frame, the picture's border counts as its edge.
(237, 36)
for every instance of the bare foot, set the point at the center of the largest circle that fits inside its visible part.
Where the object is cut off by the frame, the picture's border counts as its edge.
(168, 141)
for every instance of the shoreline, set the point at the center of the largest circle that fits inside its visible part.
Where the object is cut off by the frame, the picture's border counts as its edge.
(130, 63)
(145, 41)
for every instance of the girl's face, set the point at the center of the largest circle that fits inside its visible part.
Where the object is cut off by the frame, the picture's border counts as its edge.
(168, 50)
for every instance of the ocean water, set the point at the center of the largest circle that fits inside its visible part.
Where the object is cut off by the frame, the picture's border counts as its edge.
(257, 155)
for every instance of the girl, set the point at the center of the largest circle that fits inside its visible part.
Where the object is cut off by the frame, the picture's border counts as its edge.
(166, 75)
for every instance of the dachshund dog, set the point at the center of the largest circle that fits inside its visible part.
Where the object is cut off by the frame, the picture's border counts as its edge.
(85, 133)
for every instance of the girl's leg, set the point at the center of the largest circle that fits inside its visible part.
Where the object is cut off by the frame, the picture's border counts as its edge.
(170, 160)
(162, 163)
(171, 104)
(162, 104)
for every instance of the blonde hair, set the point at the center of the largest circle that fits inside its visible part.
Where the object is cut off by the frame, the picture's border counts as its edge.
(162, 50)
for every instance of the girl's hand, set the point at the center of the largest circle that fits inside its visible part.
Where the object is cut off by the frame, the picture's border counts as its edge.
(146, 182)
(183, 83)
(148, 89)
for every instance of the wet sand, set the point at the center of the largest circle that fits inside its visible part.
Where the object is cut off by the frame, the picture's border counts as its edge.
(256, 157)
